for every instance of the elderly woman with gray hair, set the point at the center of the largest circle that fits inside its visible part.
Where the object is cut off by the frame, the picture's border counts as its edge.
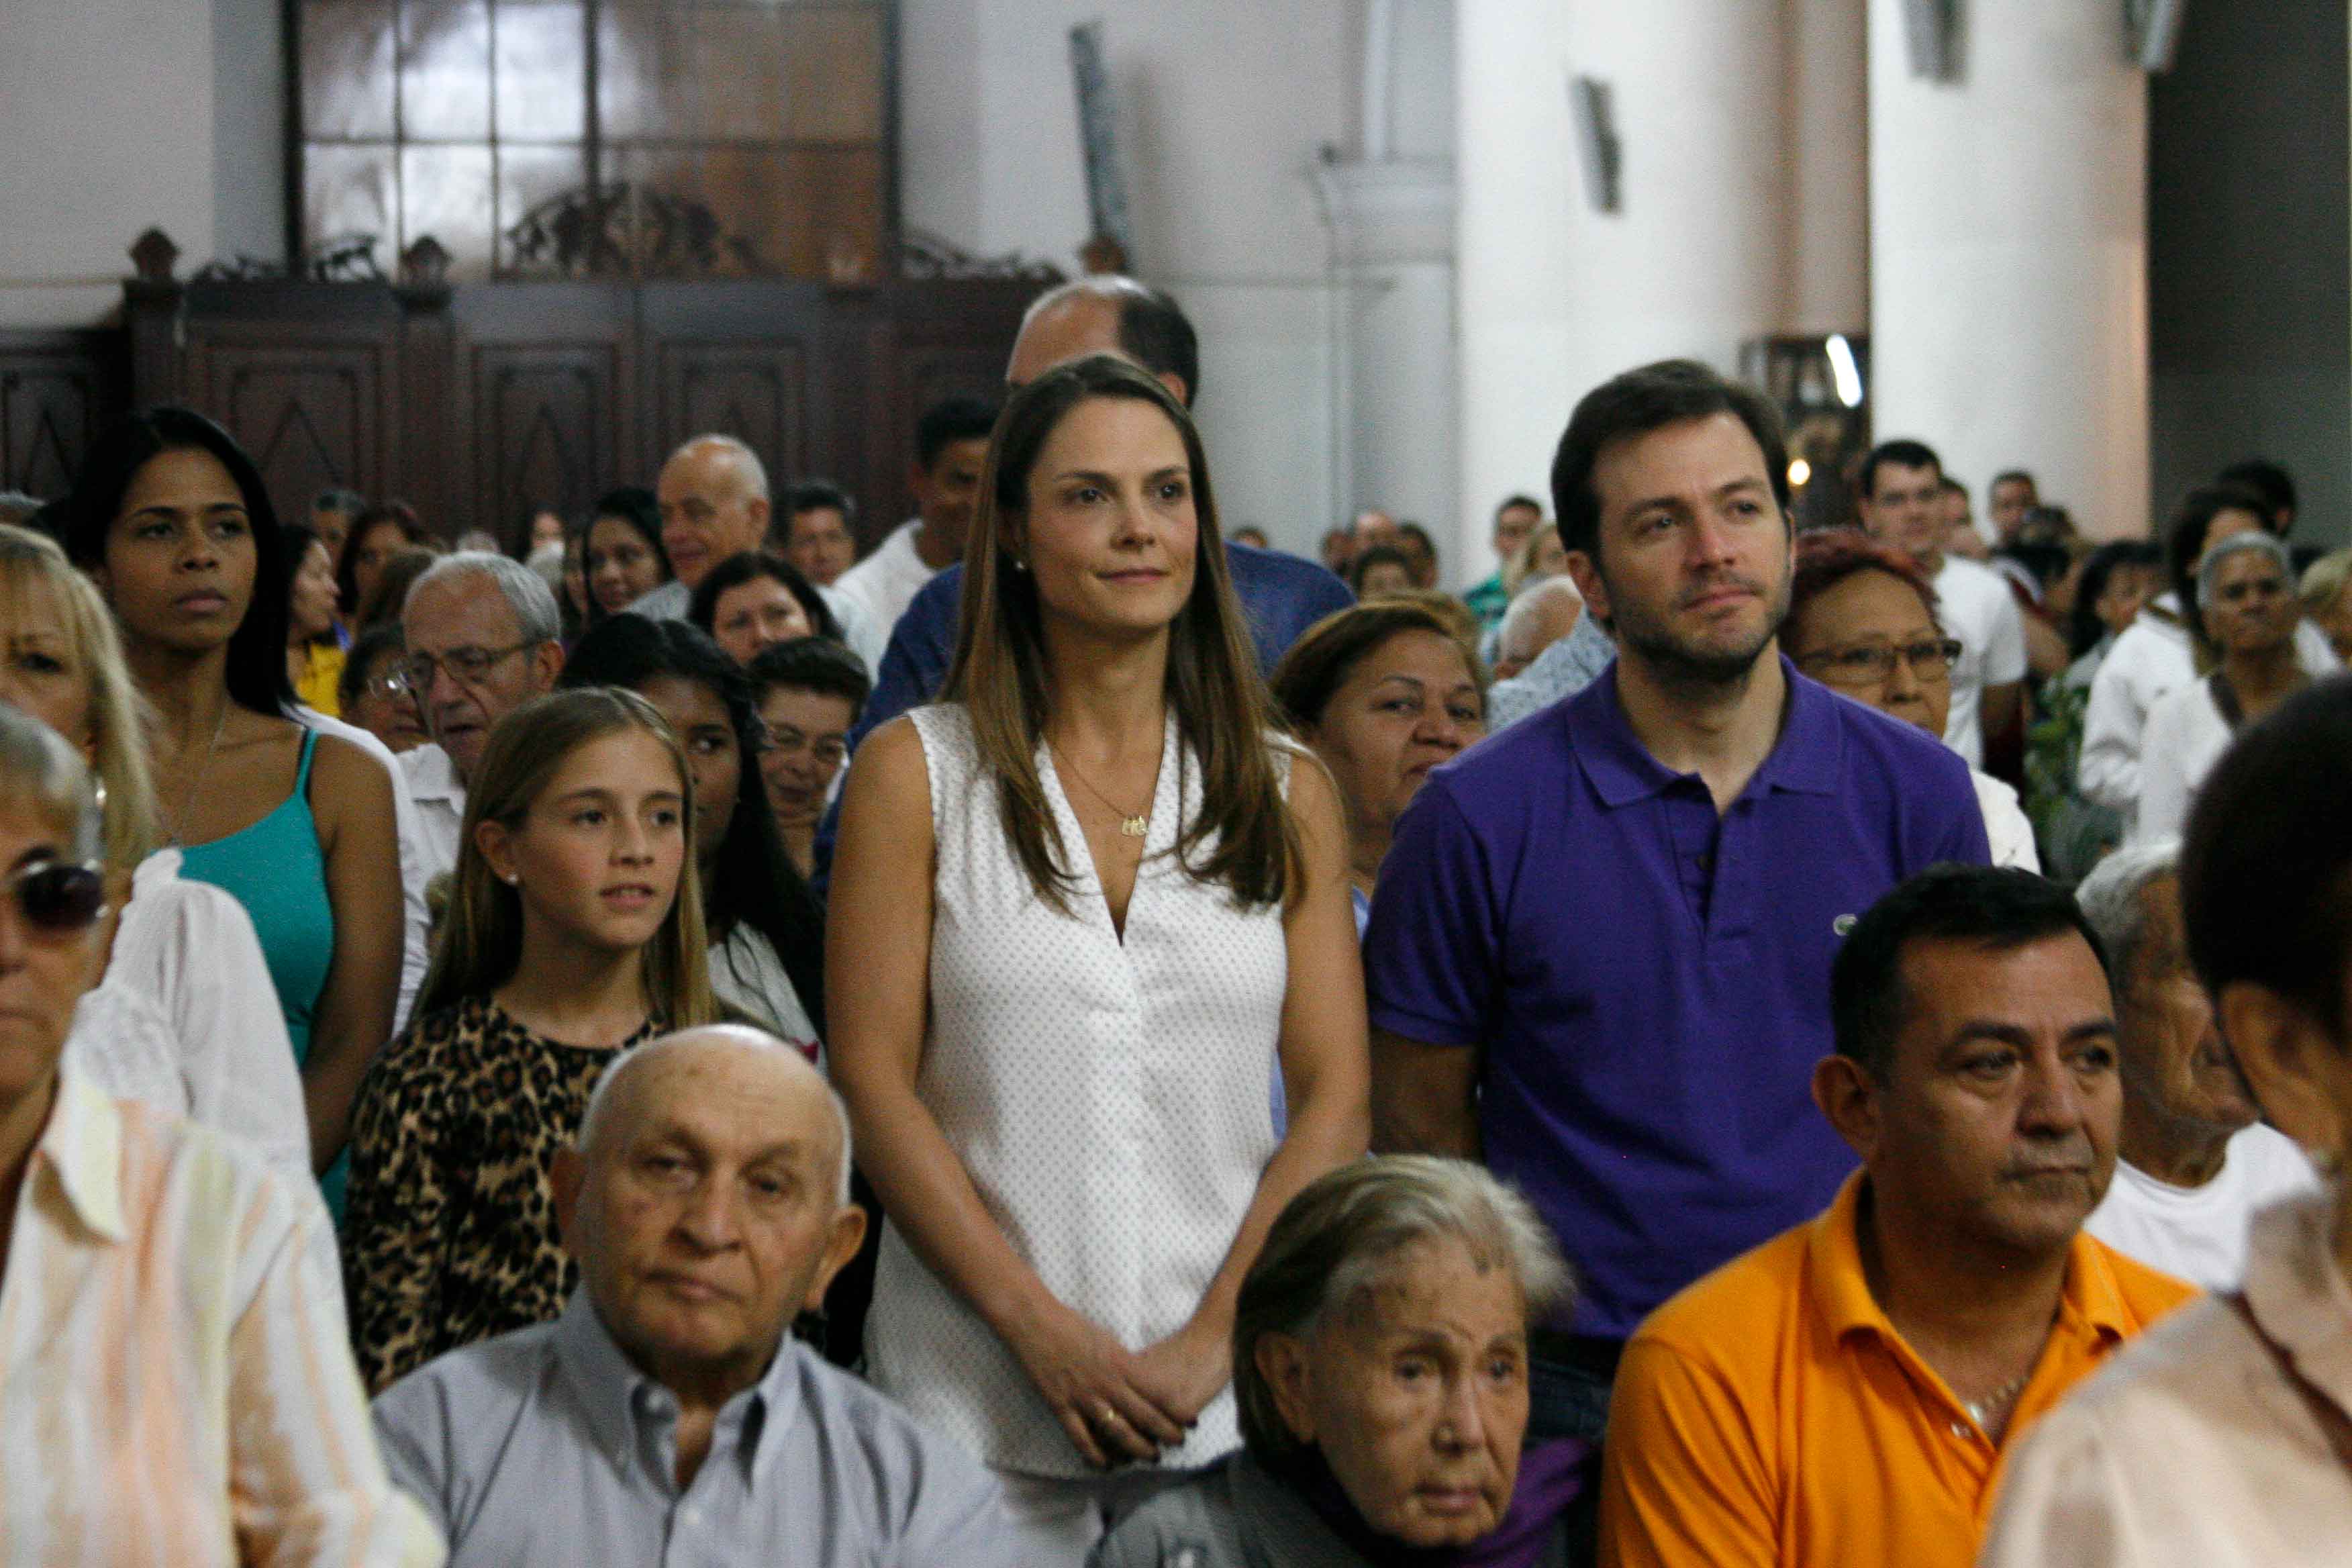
(2246, 601)
(1380, 1365)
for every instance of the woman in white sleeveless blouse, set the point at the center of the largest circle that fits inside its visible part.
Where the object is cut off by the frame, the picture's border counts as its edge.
(1083, 910)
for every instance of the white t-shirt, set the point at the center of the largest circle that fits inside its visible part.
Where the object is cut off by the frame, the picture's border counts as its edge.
(1975, 605)
(431, 780)
(880, 587)
(2199, 1234)
(2007, 827)
(417, 926)
(186, 1017)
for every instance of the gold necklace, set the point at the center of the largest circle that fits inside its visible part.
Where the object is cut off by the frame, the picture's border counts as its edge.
(188, 795)
(1133, 825)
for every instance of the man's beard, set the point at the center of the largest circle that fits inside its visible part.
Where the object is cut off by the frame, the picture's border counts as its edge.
(1683, 662)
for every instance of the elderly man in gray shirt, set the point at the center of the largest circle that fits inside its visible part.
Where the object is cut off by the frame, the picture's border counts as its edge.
(666, 1417)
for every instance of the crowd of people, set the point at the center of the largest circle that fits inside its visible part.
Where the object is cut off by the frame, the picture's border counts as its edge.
(1077, 1039)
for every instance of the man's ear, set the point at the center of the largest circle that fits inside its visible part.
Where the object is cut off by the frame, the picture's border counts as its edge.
(1848, 1096)
(567, 1174)
(546, 665)
(758, 509)
(1585, 573)
(1176, 387)
(2289, 1062)
(842, 1241)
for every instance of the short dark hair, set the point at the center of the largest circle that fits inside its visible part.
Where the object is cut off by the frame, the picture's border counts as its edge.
(1904, 453)
(1953, 487)
(2266, 868)
(348, 502)
(1509, 501)
(372, 647)
(817, 495)
(1672, 392)
(811, 664)
(1419, 535)
(948, 421)
(1361, 566)
(1154, 331)
(2013, 476)
(1997, 907)
(2266, 479)
(2085, 629)
(749, 566)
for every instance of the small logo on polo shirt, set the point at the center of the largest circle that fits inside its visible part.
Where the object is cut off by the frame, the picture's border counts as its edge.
(1843, 925)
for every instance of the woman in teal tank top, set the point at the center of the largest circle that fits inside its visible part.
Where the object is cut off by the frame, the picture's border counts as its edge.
(276, 871)
(171, 519)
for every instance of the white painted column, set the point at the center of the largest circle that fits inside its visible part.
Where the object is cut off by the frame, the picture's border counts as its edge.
(1392, 235)
(1556, 297)
(2008, 254)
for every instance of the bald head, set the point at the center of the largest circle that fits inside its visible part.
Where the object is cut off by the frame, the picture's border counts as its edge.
(714, 503)
(1108, 314)
(705, 1070)
(707, 1204)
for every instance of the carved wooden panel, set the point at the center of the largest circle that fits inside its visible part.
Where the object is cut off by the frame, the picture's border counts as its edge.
(546, 430)
(758, 391)
(313, 415)
(58, 391)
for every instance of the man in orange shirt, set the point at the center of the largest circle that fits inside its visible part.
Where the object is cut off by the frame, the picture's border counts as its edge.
(1843, 1394)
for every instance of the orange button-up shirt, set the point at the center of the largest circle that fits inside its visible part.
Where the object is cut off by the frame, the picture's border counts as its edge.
(1770, 1414)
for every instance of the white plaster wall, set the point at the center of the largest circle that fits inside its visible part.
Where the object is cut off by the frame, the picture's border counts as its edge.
(1554, 296)
(1223, 105)
(107, 120)
(2008, 254)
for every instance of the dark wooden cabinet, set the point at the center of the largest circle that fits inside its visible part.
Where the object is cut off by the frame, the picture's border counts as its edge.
(58, 391)
(480, 404)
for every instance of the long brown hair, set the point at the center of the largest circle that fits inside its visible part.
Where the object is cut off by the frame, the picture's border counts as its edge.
(482, 936)
(1244, 835)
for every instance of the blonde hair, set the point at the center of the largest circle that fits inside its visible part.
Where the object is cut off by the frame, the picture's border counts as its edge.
(1244, 835)
(32, 563)
(480, 939)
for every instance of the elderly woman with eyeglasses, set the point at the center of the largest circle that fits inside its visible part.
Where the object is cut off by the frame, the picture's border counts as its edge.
(1380, 1362)
(1861, 621)
(177, 1384)
(2247, 612)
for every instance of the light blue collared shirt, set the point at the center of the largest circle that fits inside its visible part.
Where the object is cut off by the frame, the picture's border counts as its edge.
(548, 1445)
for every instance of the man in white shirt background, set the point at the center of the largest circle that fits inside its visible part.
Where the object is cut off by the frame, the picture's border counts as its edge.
(714, 500)
(2194, 1161)
(484, 637)
(950, 453)
(1901, 498)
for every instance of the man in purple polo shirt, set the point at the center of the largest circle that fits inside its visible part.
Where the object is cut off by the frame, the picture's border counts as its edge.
(1600, 953)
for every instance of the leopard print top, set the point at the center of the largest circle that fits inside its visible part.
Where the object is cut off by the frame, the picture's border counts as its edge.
(450, 1237)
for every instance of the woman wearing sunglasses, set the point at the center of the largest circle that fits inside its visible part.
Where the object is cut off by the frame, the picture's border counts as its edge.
(171, 519)
(1861, 621)
(185, 1018)
(184, 1378)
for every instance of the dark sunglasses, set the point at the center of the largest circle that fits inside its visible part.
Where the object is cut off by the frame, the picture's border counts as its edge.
(58, 897)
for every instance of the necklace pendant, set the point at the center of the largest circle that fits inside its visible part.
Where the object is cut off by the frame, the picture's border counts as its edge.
(1134, 827)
